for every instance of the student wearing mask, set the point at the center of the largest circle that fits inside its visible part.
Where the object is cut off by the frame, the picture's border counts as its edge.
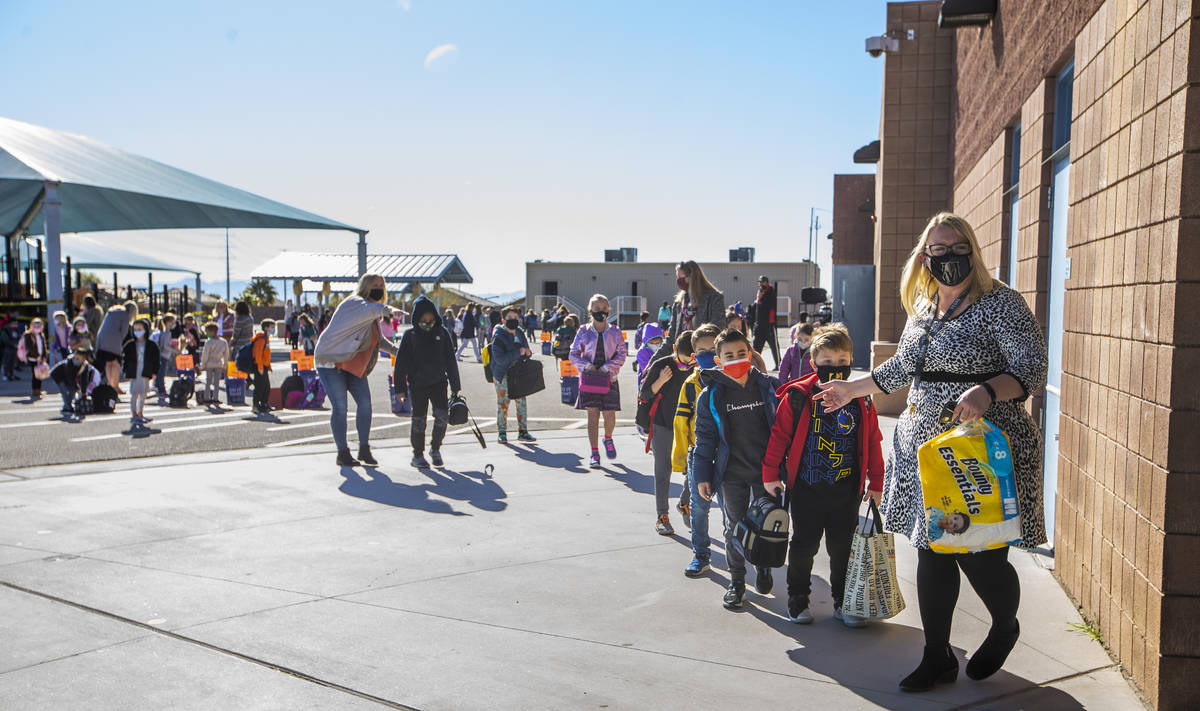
(425, 365)
(695, 507)
(76, 378)
(140, 365)
(37, 352)
(657, 400)
(734, 415)
(598, 347)
(509, 344)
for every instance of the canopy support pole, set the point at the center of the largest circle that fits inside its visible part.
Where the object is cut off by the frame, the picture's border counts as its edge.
(199, 297)
(362, 254)
(54, 269)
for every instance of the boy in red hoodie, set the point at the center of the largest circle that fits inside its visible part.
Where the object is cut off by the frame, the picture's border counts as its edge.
(833, 462)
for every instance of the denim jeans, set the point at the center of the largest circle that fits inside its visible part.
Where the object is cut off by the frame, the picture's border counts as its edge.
(701, 542)
(160, 378)
(337, 384)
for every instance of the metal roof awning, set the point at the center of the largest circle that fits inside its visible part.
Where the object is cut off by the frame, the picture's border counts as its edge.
(87, 252)
(53, 182)
(868, 153)
(403, 268)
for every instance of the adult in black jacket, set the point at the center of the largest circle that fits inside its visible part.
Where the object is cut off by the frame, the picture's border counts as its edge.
(763, 316)
(425, 363)
(660, 394)
(470, 323)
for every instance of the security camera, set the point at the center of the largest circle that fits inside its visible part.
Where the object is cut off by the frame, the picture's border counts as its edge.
(878, 45)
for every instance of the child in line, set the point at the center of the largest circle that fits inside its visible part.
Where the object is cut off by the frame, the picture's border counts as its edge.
(167, 350)
(652, 339)
(734, 416)
(656, 410)
(76, 378)
(599, 348)
(37, 352)
(638, 337)
(796, 360)
(694, 507)
(10, 338)
(60, 338)
(79, 337)
(508, 345)
(308, 333)
(141, 363)
(833, 461)
(214, 361)
(425, 365)
(564, 336)
(262, 367)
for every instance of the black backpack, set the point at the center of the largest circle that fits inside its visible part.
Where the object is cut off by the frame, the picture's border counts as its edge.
(104, 399)
(245, 358)
(180, 392)
(292, 391)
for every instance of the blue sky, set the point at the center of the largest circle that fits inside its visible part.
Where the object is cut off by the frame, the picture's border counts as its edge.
(551, 129)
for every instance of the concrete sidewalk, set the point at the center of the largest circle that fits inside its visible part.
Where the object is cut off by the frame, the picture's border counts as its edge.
(515, 578)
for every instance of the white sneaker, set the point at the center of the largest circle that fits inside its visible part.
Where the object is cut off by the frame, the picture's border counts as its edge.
(848, 619)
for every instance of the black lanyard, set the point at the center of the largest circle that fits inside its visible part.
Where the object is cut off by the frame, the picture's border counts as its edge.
(932, 326)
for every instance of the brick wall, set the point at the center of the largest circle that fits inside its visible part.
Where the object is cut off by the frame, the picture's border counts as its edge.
(1127, 544)
(913, 174)
(999, 64)
(979, 198)
(853, 231)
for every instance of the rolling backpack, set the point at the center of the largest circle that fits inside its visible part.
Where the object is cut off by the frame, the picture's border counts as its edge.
(762, 535)
(293, 391)
(314, 391)
(104, 399)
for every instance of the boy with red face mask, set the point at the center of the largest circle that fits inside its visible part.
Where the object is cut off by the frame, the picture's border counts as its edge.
(734, 415)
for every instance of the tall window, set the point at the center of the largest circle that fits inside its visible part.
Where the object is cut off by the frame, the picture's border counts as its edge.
(1012, 196)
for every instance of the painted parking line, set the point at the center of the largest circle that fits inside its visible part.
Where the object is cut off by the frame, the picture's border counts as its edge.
(35, 423)
(189, 428)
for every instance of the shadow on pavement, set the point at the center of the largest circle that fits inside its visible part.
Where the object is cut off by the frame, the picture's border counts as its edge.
(476, 488)
(554, 460)
(374, 485)
(639, 482)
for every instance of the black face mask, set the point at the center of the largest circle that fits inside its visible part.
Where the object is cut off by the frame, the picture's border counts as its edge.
(950, 269)
(512, 323)
(600, 315)
(375, 294)
(833, 372)
(426, 325)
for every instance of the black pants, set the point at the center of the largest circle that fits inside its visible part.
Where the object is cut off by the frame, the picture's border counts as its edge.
(262, 390)
(823, 510)
(990, 574)
(766, 335)
(736, 495)
(422, 396)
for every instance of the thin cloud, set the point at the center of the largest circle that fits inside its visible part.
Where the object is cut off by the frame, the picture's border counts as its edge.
(445, 53)
(405, 5)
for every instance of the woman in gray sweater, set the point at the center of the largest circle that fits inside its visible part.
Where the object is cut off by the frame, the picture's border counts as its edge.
(243, 327)
(110, 341)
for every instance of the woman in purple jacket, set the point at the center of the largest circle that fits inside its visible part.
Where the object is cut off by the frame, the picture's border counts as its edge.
(598, 347)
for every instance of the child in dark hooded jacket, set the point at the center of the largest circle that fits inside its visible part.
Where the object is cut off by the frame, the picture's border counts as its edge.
(425, 364)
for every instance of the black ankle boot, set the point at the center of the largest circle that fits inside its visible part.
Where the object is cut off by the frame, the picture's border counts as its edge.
(344, 459)
(938, 666)
(990, 656)
(364, 455)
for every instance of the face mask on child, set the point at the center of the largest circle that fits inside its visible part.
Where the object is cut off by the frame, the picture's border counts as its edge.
(706, 359)
(512, 324)
(736, 368)
(682, 283)
(81, 327)
(139, 333)
(833, 372)
(36, 328)
(426, 325)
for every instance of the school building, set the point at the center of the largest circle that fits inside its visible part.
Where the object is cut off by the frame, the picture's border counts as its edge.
(1068, 134)
(633, 287)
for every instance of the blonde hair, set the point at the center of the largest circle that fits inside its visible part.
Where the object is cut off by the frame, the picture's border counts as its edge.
(598, 297)
(833, 337)
(917, 285)
(365, 283)
(698, 284)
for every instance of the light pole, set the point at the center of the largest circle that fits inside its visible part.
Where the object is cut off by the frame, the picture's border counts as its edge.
(814, 226)
(227, 265)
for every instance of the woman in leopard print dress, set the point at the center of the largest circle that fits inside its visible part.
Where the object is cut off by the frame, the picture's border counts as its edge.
(970, 342)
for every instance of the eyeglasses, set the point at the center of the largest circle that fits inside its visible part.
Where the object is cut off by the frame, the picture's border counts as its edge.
(941, 250)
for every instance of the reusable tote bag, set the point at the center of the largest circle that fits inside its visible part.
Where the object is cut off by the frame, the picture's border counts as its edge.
(872, 589)
(969, 494)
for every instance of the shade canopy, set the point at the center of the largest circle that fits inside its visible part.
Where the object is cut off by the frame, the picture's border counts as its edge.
(404, 268)
(88, 252)
(102, 188)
